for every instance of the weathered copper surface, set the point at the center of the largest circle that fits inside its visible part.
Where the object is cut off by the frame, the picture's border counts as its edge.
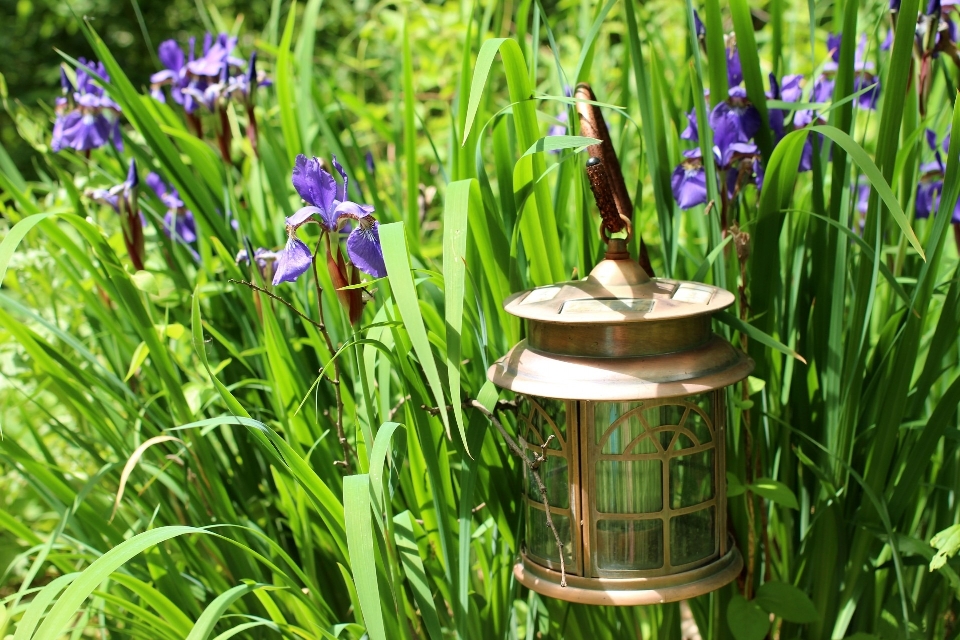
(630, 591)
(711, 366)
(620, 336)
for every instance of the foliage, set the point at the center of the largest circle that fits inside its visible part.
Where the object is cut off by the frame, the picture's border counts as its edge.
(170, 442)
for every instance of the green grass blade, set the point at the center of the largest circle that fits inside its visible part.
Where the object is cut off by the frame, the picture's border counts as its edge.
(356, 501)
(215, 610)
(395, 256)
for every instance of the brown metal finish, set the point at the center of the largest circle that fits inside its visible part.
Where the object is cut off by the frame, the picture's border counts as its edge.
(603, 195)
(593, 125)
(631, 591)
(619, 340)
(711, 366)
(618, 291)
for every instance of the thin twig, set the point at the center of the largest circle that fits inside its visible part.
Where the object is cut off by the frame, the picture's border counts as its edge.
(280, 300)
(341, 435)
(533, 466)
(397, 408)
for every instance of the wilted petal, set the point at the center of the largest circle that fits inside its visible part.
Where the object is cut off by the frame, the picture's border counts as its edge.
(363, 247)
(292, 262)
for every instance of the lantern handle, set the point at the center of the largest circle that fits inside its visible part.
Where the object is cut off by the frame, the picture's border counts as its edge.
(593, 125)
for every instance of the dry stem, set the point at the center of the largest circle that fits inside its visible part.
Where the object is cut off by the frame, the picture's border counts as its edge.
(533, 466)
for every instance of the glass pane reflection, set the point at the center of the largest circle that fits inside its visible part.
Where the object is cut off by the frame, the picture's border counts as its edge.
(540, 541)
(629, 544)
(692, 536)
(630, 486)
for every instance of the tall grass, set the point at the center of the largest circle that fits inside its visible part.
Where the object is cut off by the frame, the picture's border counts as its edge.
(169, 436)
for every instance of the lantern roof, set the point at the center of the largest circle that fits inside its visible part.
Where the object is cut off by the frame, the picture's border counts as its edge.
(619, 335)
(618, 291)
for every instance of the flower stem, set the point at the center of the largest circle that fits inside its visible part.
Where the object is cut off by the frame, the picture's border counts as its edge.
(335, 380)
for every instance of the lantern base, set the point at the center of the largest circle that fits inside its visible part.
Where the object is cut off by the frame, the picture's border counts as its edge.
(630, 591)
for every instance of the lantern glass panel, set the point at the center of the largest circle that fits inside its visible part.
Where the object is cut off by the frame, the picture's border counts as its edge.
(543, 417)
(629, 545)
(691, 479)
(539, 539)
(692, 536)
(553, 472)
(629, 486)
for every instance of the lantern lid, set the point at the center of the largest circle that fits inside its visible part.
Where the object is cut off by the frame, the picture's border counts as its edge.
(619, 335)
(618, 291)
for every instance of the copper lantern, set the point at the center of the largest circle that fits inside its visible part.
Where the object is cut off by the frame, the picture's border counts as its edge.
(626, 373)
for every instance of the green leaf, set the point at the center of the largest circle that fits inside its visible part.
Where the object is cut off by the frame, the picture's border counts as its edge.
(215, 610)
(787, 601)
(146, 281)
(872, 173)
(558, 143)
(90, 578)
(359, 522)
(456, 208)
(747, 621)
(756, 334)
(416, 573)
(405, 295)
(139, 355)
(775, 491)
(734, 486)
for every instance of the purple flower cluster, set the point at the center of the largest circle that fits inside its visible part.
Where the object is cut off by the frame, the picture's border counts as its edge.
(930, 185)
(178, 222)
(734, 122)
(327, 205)
(86, 118)
(214, 76)
(122, 198)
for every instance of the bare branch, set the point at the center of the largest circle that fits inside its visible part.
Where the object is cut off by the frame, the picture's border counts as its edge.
(533, 466)
(278, 299)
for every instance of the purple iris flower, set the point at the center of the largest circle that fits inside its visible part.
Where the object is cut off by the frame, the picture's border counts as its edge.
(822, 91)
(216, 56)
(691, 133)
(121, 195)
(864, 75)
(245, 84)
(178, 223)
(734, 68)
(698, 25)
(689, 180)
(788, 91)
(327, 206)
(264, 259)
(930, 185)
(174, 74)
(86, 117)
(371, 166)
(733, 120)
(559, 128)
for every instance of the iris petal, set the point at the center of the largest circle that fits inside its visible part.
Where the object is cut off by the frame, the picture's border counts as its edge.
(363, 247)
(292, 262)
